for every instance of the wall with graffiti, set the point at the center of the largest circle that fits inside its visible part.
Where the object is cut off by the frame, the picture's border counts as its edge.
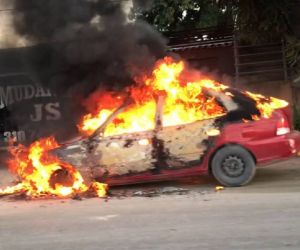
(28, 110)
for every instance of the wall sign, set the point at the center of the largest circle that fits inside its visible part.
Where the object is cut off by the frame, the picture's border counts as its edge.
(29, 111)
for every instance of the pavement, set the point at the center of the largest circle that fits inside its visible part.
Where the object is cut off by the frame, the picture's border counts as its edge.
(262, 215)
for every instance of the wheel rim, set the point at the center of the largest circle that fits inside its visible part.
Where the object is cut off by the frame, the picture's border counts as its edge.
(233, 166)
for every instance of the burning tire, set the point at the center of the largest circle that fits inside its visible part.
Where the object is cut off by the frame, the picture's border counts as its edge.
(233, 166)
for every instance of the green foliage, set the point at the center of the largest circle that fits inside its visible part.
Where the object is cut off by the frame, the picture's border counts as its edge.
(261, 21)
(257, 20)
(172, 15)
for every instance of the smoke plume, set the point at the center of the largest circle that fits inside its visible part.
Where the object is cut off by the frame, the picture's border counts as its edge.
(86, 45)
(92, 43)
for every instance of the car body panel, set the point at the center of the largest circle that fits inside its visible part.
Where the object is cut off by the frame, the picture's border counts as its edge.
(264, 151)
(176, 151)
(259, 138)
(186, 144)
(125, 154)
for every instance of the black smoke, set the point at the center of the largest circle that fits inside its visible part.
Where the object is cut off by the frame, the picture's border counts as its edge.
(85, 45)
(92, 43)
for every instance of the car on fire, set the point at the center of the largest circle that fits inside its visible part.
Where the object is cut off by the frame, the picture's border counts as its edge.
(230, 145)
(173, 123)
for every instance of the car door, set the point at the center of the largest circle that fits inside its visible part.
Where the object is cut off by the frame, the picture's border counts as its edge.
(127, 153)
(184, 145)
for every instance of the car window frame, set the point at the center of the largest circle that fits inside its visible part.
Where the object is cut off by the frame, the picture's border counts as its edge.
(160, 112)
(157, 119)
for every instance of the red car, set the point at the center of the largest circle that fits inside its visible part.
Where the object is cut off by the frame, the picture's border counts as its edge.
(230, 147)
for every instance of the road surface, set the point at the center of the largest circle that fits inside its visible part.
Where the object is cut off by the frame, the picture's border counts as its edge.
(263, 215)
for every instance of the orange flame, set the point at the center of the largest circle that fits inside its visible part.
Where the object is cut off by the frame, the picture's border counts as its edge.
(42, 174)
(266, 105)
(185, 101)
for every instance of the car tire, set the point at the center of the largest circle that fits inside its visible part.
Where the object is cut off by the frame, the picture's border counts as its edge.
(233, 166)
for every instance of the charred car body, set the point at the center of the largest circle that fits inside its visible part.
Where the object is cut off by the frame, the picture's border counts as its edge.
(229, 145)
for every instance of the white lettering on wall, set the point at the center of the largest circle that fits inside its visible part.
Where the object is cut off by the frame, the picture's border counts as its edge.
(50, 111)
(12, 94)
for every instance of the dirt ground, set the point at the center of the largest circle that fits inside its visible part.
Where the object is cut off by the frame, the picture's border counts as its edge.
(186, 214)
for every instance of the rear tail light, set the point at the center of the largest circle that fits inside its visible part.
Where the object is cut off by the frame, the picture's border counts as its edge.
(283, 126)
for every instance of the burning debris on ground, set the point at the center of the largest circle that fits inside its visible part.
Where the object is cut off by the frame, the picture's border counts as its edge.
(42, 174)
(161, 122)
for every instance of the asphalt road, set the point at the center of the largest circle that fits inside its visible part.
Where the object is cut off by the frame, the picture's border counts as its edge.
(263, 215)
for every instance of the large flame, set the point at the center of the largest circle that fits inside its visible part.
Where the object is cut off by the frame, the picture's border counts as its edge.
(42, 174)
(266, 105)
(185, 101)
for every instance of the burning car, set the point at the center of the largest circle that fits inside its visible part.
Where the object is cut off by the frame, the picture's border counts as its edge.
(177, 124)
(174, 123)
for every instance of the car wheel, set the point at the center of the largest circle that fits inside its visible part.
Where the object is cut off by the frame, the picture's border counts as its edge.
(233, 166)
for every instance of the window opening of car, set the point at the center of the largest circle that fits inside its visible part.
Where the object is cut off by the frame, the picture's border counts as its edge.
(189, 107)
(135, 118)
